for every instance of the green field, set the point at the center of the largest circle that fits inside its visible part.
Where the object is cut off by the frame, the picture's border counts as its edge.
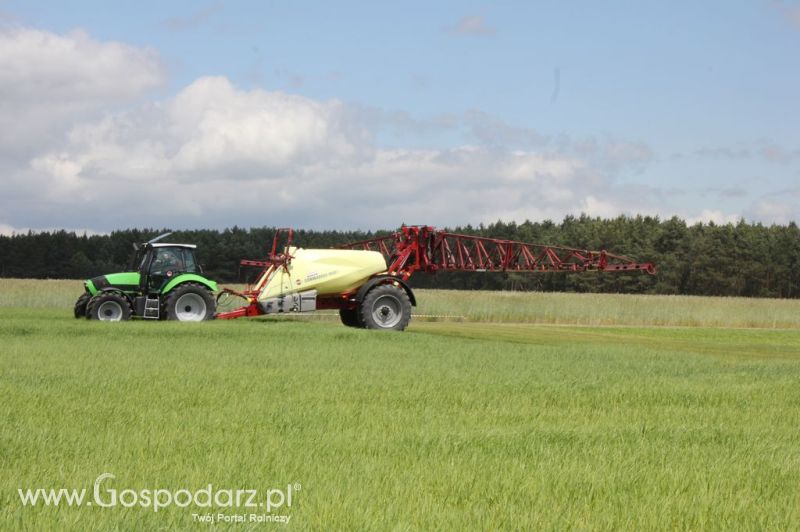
(524, 411)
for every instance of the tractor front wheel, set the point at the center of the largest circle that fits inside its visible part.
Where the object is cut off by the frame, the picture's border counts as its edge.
(190, 302)
(80, 305)
(387, 308)
(108, 306)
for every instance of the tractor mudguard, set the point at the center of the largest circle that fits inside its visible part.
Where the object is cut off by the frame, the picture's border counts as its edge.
(189, 277)
(385, 279)
(115, 290)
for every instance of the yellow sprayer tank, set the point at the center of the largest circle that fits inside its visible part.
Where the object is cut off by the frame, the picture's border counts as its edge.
(328, 271)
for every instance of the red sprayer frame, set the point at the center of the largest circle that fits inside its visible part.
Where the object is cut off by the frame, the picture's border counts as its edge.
(273, 261)
(424, 248)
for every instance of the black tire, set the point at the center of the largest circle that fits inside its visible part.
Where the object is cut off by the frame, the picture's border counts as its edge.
(108, 306)
(386, 308)
(80, 305)
(190, 302)
(349, 317)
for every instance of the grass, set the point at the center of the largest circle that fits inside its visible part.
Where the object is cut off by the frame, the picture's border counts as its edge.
(518, 307)
(472, 425)
(611, 309)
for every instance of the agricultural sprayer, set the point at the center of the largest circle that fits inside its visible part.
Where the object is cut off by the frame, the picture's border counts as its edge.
(365, 281)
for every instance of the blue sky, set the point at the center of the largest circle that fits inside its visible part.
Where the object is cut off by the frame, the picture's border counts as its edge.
(661, 108)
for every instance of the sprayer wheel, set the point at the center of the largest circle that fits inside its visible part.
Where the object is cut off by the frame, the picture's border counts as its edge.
(349, 317)
(386, 308)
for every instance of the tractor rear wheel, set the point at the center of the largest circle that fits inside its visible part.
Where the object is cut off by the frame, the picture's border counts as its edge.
(386, 307)
(108, 306)
(80, 305)
(349, 317)
(190, 302)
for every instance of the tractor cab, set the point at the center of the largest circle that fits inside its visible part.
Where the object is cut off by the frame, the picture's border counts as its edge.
(159, 263)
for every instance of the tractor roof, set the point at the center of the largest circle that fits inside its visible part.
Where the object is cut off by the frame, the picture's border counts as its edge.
(164, 245)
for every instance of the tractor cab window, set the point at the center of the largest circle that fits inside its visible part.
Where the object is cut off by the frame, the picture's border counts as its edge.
(188, 261)
(167, 261)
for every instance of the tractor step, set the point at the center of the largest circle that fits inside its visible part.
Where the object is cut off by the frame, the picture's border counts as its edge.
(152, 308)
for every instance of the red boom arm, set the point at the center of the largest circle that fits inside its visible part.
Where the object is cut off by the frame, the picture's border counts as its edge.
(424, 248)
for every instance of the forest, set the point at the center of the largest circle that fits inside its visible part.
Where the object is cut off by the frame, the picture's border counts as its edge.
(742, 259)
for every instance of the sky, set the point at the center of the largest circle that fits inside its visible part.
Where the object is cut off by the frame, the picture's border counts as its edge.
(365, 115)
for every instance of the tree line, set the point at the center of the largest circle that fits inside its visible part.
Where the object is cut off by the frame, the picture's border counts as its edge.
(742, 259)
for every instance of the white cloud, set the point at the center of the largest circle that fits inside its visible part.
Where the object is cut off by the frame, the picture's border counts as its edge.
(210, 130)
(219, 126)
(72, 68)
(47, 80)
(8, 230)
(713, 215)
(213, 149)
(778, 210)
(597, 207)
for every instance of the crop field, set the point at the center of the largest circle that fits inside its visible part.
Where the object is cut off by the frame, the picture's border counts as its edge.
(516, 411)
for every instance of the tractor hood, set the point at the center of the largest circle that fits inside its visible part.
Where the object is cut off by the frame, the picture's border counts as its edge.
(125, 281)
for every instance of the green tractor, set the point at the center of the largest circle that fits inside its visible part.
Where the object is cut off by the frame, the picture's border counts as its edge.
(165, 281)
